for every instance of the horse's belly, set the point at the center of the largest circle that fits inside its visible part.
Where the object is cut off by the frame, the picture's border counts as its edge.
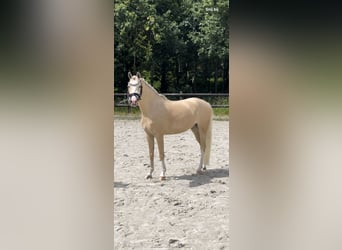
(168, 125)
(176, 127)
(175, 130)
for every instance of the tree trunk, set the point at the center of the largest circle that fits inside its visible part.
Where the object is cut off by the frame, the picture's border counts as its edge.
(177, 74)
(215, 78)
(163, 85)
(225, 80)
(193, 79)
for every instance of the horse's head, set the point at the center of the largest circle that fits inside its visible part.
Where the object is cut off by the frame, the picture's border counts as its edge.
(134, 89)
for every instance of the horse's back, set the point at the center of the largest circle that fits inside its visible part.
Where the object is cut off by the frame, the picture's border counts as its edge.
(201, 111)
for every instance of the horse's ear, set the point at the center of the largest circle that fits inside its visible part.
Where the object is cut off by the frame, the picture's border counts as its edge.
(138, 75)
(129, 75)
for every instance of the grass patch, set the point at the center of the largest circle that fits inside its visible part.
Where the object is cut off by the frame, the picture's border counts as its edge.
(124, 111)
(221, 111)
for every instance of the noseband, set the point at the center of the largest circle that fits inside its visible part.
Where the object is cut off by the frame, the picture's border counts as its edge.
(136, 94)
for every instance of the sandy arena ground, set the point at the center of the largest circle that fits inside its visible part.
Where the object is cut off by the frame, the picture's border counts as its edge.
(186, 210)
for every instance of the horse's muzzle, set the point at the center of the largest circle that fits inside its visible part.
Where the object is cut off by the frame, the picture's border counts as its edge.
(133, 99)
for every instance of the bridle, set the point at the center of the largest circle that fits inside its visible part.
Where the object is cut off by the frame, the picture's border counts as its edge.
(138, 91)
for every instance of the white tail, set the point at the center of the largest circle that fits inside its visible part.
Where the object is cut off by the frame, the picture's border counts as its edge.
(208, 143)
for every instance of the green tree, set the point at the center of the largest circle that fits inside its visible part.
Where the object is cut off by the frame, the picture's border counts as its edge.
(211, 37)
(135, 31)
(177, 45)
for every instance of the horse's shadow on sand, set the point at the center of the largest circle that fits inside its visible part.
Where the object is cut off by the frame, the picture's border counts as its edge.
(201, 179)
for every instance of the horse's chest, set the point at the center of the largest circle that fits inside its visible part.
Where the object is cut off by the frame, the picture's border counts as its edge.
(150, 126)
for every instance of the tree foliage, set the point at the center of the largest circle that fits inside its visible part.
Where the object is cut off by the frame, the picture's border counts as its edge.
(177, 45)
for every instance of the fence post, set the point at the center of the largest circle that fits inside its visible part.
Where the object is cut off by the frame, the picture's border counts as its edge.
(180, 95)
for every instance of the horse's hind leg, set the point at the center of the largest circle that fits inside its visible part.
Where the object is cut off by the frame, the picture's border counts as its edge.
(150, 140)
(200, 166)
(195, 130)
(203, 136)
(197, 134)
(160, 141)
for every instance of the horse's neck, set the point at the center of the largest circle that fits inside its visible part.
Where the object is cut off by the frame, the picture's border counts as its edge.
(149, 98)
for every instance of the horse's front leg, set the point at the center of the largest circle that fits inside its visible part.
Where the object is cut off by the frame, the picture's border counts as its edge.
(150, 140)
(160, 141)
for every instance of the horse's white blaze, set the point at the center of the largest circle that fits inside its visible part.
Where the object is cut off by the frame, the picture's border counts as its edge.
(160, 116)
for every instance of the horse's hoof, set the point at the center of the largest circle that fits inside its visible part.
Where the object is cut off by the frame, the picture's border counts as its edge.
(148, 177)
(162, 178)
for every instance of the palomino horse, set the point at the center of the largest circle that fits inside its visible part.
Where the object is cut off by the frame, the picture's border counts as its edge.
(160, 116)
